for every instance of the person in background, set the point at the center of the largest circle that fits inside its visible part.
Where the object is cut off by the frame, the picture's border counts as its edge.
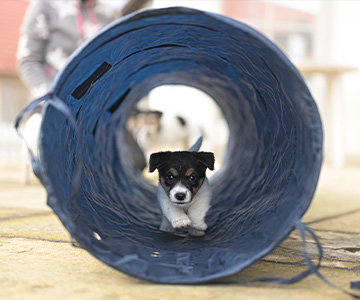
(52, 30)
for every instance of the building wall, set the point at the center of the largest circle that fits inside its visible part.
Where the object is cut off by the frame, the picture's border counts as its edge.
(207, 5)
(11, 16)
(337, 43)
(289, 28)
(13, 97)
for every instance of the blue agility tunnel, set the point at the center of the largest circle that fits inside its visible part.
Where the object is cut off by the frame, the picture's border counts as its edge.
(268, 177)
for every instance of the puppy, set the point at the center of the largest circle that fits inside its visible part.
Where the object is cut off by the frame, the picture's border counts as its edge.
(184, 192)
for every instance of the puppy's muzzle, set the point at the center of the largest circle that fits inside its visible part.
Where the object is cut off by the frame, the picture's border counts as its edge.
(180, 195)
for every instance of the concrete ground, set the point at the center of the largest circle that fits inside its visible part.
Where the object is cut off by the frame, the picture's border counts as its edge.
(38, 261)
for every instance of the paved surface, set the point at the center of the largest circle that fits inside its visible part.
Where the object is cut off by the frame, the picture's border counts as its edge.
(38, 261)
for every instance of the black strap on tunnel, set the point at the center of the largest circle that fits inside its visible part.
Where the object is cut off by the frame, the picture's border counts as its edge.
(81, 90)
(113, 107)
(117, 103)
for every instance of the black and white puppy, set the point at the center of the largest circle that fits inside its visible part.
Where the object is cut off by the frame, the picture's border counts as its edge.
(184, 192)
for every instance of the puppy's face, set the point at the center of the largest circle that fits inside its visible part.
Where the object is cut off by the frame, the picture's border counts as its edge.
(181, 173)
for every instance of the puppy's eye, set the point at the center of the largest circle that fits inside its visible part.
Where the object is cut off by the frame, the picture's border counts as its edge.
(192, 178)
(170, 177)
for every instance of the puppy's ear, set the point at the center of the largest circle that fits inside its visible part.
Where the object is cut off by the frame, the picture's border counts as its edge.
(158, 159)
(206, 158)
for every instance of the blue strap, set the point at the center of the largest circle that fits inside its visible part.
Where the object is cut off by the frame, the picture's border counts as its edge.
(32, 108)
(312, 269)
(45, 102)
(315, 269)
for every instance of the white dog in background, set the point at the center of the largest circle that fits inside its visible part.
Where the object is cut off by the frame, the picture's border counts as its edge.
(172, 118)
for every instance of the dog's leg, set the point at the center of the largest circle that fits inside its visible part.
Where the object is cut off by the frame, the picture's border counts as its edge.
(195, 232)
(177, 216)
(166, 225)
(197, 211)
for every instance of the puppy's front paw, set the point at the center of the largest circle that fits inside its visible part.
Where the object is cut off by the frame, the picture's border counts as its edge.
(201, 226)
(181, 222)
(195, 232)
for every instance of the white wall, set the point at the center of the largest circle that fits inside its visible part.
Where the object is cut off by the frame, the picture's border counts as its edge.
(207, 5)
(13, 97)
(337, 42)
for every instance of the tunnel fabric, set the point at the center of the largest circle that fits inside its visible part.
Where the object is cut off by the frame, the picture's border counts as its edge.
(268, 177)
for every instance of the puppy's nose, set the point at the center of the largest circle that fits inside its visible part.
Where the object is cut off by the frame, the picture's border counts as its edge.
(180, 196)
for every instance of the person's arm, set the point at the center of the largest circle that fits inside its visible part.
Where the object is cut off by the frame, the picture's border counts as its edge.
(31, 49)
(134, 5)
